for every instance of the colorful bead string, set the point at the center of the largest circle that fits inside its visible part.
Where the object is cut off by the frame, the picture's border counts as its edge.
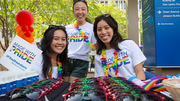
(104, 63)
(82, 33)
(115, 64)
(60, 70)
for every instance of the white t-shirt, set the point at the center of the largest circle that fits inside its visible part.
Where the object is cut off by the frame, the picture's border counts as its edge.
(78, 48)
(39, 65)
(129, 56)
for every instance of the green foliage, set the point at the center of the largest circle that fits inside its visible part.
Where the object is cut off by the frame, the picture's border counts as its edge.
(141, 28)
(96, 9)
(58, 12)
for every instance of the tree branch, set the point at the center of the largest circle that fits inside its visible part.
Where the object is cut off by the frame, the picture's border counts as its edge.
(3, 32)
(4, 49)
(6, 28)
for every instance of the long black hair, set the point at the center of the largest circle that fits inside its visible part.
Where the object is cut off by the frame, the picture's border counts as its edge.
(45, 46)
(116, 39)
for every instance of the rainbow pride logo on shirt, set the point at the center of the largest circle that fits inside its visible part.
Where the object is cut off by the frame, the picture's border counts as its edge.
(78, 38)
(123, 59)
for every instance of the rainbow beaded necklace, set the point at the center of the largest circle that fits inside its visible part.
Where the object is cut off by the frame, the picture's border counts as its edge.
(60, 70)
(82, 33)
(105, 65)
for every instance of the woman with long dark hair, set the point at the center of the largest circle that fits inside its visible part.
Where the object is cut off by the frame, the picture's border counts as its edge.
(116, 56)
(53, 61)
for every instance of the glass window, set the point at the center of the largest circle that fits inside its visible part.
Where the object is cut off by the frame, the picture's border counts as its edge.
(106, 2)
(124, 4)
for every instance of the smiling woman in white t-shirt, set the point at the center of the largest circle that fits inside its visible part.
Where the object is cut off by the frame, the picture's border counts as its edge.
(81, 39)
(116, 56)
(52, 63)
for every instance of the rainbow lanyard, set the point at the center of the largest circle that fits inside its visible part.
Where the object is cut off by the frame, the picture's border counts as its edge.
(155, 84)
(82, 33)
(60, 70)
(105, 65)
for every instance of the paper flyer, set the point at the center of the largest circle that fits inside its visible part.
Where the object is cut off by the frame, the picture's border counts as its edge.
(20, 55)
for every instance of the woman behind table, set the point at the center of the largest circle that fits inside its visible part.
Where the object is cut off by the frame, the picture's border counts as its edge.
(122, 57)
(79, 43)
(53, 61)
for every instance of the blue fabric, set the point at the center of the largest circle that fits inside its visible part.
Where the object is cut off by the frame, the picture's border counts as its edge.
(149, 75)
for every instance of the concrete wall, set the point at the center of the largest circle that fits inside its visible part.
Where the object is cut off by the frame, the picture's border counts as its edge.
(132, 20)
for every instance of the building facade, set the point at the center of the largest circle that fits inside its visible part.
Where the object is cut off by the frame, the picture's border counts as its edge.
(119, 3)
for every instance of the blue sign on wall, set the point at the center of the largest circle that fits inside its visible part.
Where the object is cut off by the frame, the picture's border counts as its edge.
(161, 32)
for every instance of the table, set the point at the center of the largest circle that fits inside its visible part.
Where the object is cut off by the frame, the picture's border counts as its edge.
(59, 98)
(53, 96)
